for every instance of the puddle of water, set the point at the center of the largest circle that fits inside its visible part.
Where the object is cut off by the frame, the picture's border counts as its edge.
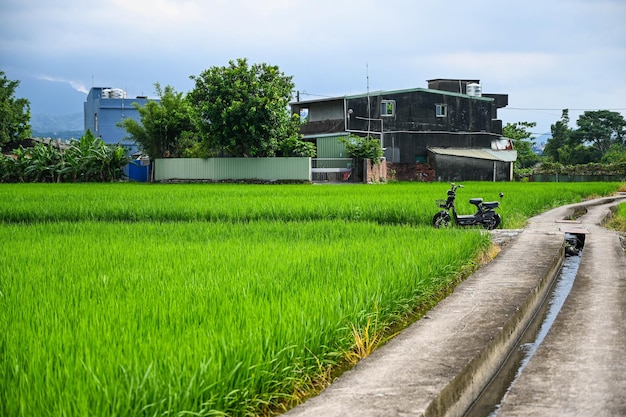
(488, 404)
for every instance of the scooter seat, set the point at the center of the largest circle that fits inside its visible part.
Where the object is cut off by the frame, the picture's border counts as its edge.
(476, 201)
(491, 204)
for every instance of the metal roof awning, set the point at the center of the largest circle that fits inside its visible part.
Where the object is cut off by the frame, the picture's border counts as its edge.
(488, 154)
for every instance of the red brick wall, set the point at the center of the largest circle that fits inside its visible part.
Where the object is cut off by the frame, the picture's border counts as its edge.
(410, 172)
(376, 173)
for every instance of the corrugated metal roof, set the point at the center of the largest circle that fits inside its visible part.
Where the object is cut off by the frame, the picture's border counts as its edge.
(325, 135)
(489, 154)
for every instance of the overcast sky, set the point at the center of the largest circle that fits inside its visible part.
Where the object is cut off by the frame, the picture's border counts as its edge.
(547, 55)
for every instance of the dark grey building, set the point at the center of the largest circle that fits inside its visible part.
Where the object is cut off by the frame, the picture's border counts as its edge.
(449, 131)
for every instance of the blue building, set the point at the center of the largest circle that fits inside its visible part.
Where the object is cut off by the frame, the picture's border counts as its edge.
(104, 108)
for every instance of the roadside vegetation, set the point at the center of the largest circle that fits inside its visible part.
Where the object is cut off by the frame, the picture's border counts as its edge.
(618, 218)
(221, 299)
(595, 148)
(87, 159)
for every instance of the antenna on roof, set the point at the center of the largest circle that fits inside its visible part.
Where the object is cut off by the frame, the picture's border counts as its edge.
(369, 111)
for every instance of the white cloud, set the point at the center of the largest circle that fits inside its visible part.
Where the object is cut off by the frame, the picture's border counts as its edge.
(76, 85)
(496, 67)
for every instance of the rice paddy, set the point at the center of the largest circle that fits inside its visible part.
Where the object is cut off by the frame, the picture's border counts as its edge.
(220, 299)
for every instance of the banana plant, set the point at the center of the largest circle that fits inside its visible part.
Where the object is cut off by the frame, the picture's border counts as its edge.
(45, 160)
(15, 164)
(83, 160)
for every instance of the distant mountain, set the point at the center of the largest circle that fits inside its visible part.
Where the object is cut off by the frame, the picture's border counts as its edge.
(56, 107)
(47, 122)
(541, 140)
(69, 126)
(51, 97)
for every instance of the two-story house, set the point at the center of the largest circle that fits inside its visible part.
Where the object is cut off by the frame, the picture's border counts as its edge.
(449, 131)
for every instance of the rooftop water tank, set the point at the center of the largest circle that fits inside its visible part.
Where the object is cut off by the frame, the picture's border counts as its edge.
(117, 93)
(473, 89)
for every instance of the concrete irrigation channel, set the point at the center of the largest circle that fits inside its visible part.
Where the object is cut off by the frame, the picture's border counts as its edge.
(441, 364)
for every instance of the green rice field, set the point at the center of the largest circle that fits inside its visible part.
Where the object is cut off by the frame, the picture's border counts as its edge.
(219, 299)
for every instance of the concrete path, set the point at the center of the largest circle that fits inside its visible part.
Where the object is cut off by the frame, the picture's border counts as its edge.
(580, 368)
(439, 364)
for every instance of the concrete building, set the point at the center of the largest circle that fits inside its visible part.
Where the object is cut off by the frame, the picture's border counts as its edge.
(449, 131)
(104, 108)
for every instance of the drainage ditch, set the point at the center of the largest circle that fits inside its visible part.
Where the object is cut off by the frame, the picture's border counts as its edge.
(491, 399)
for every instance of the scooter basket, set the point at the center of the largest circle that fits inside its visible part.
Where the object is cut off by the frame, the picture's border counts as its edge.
(441, 203)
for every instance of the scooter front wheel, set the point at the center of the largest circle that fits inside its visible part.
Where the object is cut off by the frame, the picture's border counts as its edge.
(441, 219)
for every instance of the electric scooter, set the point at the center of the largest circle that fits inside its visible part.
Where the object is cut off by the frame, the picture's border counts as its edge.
(485, 215)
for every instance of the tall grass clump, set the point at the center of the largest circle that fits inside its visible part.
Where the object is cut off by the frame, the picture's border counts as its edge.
(618, 218)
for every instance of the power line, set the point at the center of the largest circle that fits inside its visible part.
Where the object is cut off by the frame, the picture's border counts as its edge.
(544, 109)
(305, 93)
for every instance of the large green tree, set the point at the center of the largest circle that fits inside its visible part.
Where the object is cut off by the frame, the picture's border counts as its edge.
(14, 112)
(243, 110)
(597, 132)
(602, 129)
(521, 137)
(561, 133)
(615, 155)
(166, 127)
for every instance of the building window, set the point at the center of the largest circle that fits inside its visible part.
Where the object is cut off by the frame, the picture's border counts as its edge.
(387, 108)
(441, 110)
(304, 114)
(96, 126)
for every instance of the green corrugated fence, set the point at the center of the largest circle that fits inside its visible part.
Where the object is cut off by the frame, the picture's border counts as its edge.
(220, 169)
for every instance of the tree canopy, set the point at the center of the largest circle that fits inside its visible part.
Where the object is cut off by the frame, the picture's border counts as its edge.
(598, 132)
(243, 110)
(520, 136)
(165, 126)
(363, 147)
(14, 112)
(561, 133)
(601, 128)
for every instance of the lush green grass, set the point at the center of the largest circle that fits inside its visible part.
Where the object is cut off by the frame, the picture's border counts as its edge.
(138, 299)
(618, 220)
(396, 203)
(621, 212)
(152, 318)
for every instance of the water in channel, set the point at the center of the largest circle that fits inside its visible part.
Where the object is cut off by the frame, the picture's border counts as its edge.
(489, 402)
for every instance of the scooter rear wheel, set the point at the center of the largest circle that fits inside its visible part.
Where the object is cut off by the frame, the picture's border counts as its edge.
(493, 222)
(441, 219)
